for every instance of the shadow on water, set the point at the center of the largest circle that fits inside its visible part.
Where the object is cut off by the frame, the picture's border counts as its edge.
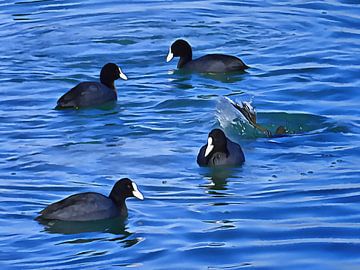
(109, 106)
(90, 112)
(114, 226)
(229, 77)
(182, 76)
(292, 123)
(218, 182)
(181, 79)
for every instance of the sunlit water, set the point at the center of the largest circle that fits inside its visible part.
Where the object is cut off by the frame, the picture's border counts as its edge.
(294, 204)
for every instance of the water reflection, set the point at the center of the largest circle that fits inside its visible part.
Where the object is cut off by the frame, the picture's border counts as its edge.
(181, 79)
(108, 108)
(226, 77)
(220, 224)
(123, 240)
(114, 226)
(229, 77)
(218, 180)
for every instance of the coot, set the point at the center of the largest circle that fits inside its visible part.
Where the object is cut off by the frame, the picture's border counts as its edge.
(93, 206)
(87, 94)
(220, 151)
(210, 63)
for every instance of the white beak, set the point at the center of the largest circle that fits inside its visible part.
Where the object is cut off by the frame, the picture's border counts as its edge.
(136, 192)
(209, 147)
(122, 75)
(169, 56)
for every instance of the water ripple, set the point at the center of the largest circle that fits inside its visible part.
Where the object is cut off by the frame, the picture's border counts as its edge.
(292, 205)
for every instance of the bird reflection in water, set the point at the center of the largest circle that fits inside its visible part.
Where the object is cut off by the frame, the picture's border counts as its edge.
(218, 180)
(116, 226)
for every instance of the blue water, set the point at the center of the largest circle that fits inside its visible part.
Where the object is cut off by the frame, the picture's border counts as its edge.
(294, 204)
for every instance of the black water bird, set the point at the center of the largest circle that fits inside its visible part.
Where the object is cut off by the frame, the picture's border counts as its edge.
(210, 63)
(87, 94)
(220, 151)
(89, 206)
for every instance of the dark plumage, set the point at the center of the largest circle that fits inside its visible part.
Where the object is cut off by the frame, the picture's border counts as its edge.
(93, 206)
(87, 94)
(210, 63)
(220, 151)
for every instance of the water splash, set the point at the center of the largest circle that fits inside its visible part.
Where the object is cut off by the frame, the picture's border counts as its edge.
(269, 124)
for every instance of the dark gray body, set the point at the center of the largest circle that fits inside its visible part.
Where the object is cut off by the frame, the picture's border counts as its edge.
(215, 63)
(87, 94)
(236, 156)
(83, 207)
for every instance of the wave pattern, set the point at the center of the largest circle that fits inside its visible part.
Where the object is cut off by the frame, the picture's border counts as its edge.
(294, 204)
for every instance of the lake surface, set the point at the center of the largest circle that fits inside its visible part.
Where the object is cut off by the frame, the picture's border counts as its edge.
(294, 204)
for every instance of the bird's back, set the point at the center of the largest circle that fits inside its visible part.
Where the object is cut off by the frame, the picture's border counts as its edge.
(81, 207)
(236, 156)
(87, 94)
(216, 63)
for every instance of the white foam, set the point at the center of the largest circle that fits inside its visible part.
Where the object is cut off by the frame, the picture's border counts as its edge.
(226, 113)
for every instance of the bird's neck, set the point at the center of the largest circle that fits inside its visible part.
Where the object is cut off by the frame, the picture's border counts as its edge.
(122, 208)
(183, 60)
(109, 84)
(119, 201)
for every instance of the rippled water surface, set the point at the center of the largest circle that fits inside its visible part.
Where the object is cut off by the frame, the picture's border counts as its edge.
(294, 204)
